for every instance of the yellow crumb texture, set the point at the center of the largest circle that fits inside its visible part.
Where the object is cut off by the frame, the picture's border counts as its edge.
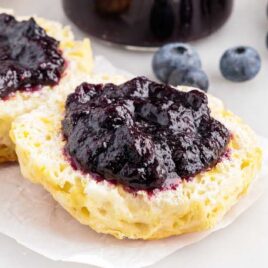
(194, 206)
(78, 56)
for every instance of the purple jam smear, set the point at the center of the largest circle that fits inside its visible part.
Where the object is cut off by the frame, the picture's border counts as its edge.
(142, 134)
(29, 58)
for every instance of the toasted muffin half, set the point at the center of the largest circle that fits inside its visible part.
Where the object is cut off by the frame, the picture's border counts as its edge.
(195, 205)
(78, 59)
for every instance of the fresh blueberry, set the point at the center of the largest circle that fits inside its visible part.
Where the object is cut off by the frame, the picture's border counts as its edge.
(174, 56)
(240, 64)
(193, 77)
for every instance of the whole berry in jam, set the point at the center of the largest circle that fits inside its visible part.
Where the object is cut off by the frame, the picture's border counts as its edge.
(174, 56)
(193, 77)
(141, 134)
(28, 56)
(240, 64)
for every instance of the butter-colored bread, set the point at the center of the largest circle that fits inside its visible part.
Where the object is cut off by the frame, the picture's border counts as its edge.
(78, 55)
(194, 206)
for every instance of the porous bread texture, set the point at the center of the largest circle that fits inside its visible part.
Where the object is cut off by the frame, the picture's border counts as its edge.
(78, 56)
(194, 206)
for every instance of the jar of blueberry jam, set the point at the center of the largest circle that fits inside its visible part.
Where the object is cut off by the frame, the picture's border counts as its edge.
(148, 23)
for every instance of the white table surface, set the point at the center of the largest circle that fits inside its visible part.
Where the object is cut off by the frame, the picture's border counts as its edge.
(244, 243)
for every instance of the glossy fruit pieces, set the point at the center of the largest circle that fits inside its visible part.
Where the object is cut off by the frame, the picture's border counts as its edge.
(142, 134)
(29, 58)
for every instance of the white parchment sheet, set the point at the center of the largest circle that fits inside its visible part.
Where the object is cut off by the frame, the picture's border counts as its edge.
(30, 216)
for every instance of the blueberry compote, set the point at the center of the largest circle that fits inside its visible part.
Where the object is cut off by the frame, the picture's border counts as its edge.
(142, 134)
(28, 56)
(148, 23)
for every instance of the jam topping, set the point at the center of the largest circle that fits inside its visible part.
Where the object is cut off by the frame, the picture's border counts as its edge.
(142, 134)
(29, 58)
(148, 23)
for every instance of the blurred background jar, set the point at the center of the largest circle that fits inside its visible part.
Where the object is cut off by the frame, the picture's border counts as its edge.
(148, 23)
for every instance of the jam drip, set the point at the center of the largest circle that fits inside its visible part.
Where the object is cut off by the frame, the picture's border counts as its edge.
(28, 56)
(142, 134)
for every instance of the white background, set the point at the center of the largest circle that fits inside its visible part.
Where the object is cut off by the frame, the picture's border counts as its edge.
(244, 243)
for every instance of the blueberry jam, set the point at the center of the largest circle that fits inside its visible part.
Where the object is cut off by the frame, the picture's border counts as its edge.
(142, 134)
(28, 56)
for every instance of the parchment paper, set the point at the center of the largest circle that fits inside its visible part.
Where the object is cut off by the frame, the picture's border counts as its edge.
(30, 216)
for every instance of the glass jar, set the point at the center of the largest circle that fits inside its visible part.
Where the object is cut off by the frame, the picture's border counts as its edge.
(148, 23)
